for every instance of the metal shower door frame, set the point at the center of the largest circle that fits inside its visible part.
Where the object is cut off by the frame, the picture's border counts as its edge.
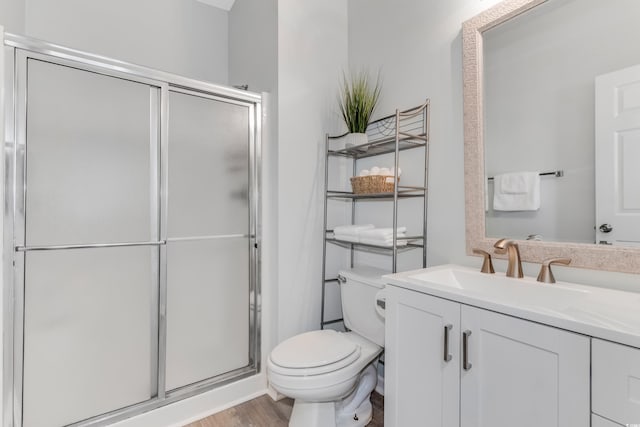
(18, 50)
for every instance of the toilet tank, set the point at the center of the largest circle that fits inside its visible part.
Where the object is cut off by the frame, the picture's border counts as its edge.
(358, 288)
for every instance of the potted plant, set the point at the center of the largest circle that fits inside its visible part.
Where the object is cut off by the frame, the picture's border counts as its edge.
(357, 100)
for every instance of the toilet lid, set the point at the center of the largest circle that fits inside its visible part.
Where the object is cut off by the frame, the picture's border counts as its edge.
(313, 349)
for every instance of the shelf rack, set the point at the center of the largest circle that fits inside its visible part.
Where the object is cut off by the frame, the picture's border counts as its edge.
(404, 130)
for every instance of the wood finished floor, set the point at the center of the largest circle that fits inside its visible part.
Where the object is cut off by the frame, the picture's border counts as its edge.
(264, 412)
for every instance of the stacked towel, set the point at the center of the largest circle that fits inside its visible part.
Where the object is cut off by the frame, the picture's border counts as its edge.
(382, 236)
(517, 192)
(367, 234)
(350, 233)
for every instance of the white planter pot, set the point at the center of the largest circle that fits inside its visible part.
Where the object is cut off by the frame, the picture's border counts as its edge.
(355, 139)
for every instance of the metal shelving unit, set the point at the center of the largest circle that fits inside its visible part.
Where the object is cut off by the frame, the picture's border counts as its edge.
(404, 130)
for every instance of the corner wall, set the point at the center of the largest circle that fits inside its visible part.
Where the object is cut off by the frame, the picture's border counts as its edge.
(312, 52)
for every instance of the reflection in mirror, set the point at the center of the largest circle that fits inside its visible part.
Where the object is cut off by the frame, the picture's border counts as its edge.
(559, 95)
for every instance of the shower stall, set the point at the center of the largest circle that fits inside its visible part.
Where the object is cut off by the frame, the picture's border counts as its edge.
(131, 237)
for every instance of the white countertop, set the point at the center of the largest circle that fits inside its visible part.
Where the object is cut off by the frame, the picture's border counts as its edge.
(601, 313)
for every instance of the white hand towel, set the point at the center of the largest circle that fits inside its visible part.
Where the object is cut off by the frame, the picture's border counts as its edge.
(352, 230)
(380, 233)
(516, 191)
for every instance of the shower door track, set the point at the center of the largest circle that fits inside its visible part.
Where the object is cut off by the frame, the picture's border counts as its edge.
(21, 48)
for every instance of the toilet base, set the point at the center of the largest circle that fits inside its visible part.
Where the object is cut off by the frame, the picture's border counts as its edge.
(362, 416)
(353, 411)
(314, 414)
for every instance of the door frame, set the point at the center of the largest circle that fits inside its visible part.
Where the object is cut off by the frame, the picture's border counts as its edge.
(17, 51)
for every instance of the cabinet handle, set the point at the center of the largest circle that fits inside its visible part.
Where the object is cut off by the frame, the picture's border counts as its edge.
(447, 356)
(465, 350)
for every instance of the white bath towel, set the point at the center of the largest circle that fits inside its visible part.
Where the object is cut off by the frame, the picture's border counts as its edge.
(516, 191)
(346, 237)
(380, 233)
(352, 230)
(382, 242)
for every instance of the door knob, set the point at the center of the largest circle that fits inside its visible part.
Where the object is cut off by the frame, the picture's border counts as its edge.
(606, 228)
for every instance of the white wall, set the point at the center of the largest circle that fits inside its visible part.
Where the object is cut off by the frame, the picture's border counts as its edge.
(540, 104)
(12, 15)
(185, 37)
(253, 44)
(312, 51)
(417, 44)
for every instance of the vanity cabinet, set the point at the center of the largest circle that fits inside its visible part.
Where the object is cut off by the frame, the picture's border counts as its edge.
(515, 372)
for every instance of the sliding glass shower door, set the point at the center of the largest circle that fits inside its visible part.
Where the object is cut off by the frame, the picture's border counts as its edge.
(132, 214)
(90, 299)
(208, 238)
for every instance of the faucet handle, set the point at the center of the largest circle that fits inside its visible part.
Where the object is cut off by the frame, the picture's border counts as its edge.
(487, 265)
(546, 275)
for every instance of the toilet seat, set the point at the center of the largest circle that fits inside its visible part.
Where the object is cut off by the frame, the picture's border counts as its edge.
(313, 353)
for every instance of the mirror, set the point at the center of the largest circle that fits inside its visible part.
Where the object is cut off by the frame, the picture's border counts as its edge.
(541, 71)
(531, 72)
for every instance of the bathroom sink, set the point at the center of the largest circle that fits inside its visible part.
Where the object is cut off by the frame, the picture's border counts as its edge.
(598, 312)
(501, 289)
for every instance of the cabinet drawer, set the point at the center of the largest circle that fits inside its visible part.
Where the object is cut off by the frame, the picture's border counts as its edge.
(597, 421)
(615, 382)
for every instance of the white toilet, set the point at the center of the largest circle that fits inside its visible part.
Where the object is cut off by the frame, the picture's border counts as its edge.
(331, 374)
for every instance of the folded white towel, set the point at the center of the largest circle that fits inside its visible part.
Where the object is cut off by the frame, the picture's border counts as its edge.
(375, 170)
(516, 191)
(364, 172)
(346, 237)
(352, 230)
(381, 242)
(380, 233)
(385, 171)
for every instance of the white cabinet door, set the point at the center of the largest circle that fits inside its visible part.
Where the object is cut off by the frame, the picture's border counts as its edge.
(616, 381)
(421, 387)
(523, 374)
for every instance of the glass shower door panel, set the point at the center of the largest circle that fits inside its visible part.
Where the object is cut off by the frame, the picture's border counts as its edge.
(207, 309)
(90, 157)
(88, 322)
(208, 167)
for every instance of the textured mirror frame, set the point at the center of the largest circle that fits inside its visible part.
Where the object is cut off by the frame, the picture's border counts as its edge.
(592, 256)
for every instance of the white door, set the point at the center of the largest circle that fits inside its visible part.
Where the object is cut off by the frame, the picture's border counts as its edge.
(422, 376)
(520, 373)
(617, 132)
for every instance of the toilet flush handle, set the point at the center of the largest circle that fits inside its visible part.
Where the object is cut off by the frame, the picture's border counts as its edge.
(381, 302)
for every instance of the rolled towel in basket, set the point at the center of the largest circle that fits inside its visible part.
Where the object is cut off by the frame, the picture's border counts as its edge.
(351, 230)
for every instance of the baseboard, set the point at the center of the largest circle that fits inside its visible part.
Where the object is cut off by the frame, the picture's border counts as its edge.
(200, 406)
(274, 394)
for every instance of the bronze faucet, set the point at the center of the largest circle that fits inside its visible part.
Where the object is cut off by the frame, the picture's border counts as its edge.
(514, 269)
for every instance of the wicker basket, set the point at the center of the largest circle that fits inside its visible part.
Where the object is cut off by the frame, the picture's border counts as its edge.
(372, 184)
